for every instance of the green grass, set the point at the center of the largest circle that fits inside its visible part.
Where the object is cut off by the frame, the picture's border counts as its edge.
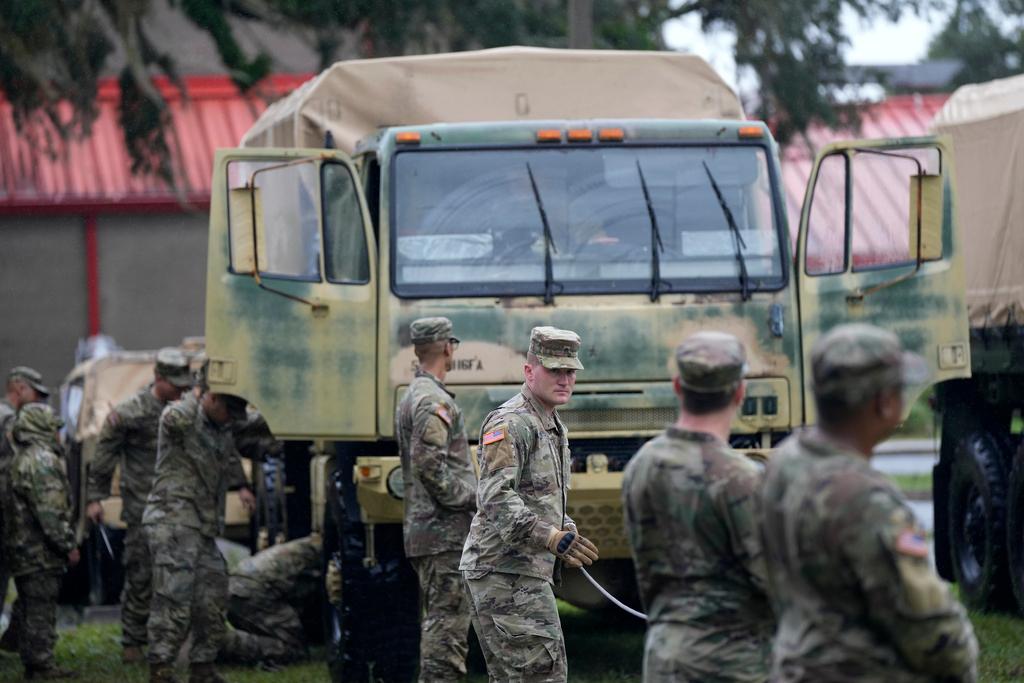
(914, 485)
(603, 647)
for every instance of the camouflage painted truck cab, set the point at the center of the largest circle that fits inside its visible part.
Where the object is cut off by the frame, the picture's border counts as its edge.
(632, 226)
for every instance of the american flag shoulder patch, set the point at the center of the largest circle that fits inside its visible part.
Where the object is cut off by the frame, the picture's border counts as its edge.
(911, 542)
(442, 413)
(494, 436)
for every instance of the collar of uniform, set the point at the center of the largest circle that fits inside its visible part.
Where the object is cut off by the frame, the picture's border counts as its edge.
(686, 435)
(816, 442)
(423, 373)
(549, 420)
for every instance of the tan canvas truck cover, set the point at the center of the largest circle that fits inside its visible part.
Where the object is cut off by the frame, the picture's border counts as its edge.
(106, 382)
(986, 122)
(354, 98)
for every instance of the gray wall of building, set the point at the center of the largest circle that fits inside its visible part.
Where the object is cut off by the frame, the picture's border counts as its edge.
(43, 295)
(152, 277)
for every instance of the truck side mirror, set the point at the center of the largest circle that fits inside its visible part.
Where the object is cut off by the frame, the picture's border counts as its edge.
(245, 228)
(926, 213)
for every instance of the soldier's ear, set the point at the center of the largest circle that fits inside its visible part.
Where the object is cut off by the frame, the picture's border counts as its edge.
(677, 387)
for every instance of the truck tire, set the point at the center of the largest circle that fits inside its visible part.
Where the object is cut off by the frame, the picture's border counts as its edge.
(374, 633)
(977, 516)
(1015, 528)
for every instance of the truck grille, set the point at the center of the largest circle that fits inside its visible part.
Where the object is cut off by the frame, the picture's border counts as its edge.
(618, 419)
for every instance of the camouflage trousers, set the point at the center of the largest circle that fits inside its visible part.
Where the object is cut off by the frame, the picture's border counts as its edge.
(444, 617)
(138, 588)
(682, 653)
(37, 618)
(516, 620)
(190, 591)
(263, 628)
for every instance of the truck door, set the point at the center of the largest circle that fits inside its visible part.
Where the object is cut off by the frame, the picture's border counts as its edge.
(878, 244)
(291, 291)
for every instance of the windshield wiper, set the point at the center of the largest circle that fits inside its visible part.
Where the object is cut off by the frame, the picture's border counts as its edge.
(549, 241)
(738, 243)
(656, 243)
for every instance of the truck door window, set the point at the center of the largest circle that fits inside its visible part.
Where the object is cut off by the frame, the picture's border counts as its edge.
(345, 255)
(288, 228)
(826, 226)
(882, 193)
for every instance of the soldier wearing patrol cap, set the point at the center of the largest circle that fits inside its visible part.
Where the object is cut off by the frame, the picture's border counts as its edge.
(689, 503)
(24, 386)
(129, 439)
(440, 497)
(856, 596)
(521, 526)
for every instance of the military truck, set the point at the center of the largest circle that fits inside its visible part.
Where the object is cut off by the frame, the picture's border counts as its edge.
(87, 395)
(978, 482)
(619, 194)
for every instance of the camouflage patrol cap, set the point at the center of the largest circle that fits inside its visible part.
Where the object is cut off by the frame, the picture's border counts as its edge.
(556, 349)
(426, 330)
(30, 377)
(172, 365)
(854, 362)
(711, 362)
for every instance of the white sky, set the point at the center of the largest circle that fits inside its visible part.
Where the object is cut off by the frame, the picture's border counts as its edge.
(881, 42)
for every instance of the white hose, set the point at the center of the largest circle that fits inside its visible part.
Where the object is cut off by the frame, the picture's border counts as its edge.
(615, 601)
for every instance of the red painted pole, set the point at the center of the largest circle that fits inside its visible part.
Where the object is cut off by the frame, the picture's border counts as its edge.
(92, 273)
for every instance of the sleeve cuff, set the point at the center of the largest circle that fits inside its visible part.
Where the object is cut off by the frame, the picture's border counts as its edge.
(541, 533)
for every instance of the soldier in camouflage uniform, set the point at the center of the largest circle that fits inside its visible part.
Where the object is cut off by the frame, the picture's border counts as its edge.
(39, 539)
(267, 592)
(440, 497)
(24, 386)
(856, 596)
(129, 439)
(689, 502)
(521, 525)
(196, 464)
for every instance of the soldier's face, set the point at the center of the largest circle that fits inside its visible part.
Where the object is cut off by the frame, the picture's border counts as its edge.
(551, 387)
(216, 408)
(165, 391)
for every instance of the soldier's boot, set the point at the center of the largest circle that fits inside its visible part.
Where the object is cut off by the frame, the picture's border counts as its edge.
(205, 673)
(132, 654)
(162, 673)
(49, 674)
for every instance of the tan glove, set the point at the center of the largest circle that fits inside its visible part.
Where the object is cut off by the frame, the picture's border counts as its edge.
(573, 549)
(332, 582)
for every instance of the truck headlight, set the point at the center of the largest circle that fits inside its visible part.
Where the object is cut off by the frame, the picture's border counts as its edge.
(396, 483)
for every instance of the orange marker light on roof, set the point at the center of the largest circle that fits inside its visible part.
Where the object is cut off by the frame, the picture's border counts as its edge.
(611, 135)
(409, 137)
(751, 132)
(549, 135)
(580, 135)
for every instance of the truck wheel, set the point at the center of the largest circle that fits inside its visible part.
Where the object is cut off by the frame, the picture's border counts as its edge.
(374, 633)
(977, 514)
(1015, 527)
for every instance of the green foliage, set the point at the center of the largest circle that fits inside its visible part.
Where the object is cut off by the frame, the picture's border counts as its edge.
(987, 36)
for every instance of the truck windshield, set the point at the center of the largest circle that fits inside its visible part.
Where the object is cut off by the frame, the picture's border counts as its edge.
(466, 222)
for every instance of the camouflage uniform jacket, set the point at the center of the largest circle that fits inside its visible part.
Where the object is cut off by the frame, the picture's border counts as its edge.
(196, 465)
(689, 502)
(37, 531)
(128, 439)
(286, 571)
(440, 482)
(524, 477)
(848, 565)
(7, 414)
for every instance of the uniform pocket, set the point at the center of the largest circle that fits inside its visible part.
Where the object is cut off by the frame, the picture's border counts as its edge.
(529, 647)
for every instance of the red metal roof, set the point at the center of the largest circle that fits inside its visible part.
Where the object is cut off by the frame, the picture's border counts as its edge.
(95, 173)
(894, 117)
